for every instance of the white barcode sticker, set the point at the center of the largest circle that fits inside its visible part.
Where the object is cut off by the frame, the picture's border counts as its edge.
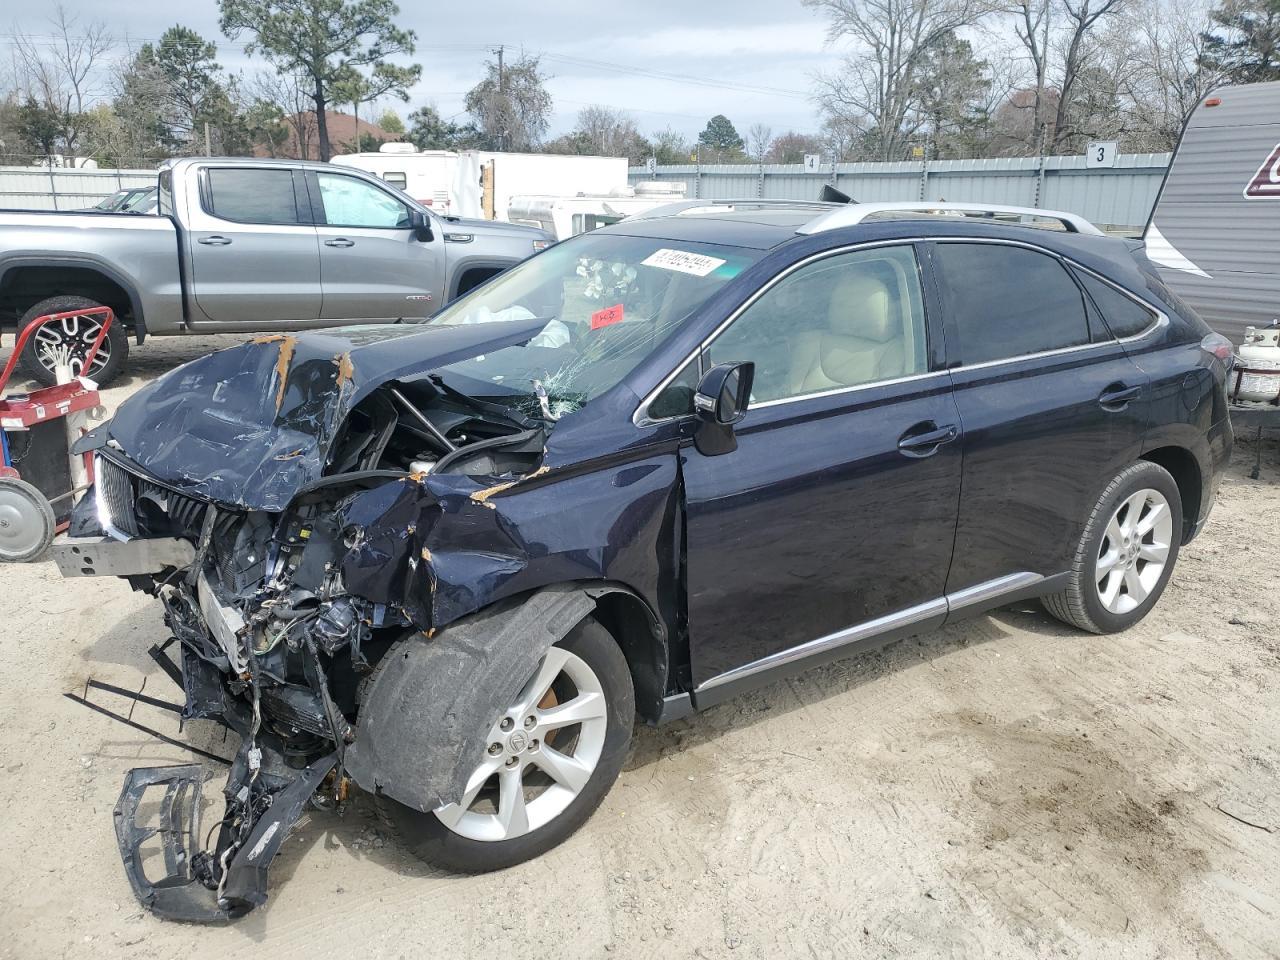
(682, 261)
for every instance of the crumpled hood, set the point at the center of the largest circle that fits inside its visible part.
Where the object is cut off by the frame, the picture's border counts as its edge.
(252, 425)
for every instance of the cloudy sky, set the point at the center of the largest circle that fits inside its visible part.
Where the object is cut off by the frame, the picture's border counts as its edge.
(752, 60)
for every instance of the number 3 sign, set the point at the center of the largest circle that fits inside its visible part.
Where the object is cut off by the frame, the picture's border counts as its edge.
(1101, 153)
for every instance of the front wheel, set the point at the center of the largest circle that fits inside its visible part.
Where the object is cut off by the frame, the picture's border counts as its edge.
(549, 760)
(1126, 553)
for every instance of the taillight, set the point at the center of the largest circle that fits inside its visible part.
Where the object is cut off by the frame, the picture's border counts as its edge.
(1219, 346)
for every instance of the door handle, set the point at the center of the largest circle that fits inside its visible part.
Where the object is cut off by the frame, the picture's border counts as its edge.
(339, 242)
(926, 442)
(1118, 396)
(214, 241)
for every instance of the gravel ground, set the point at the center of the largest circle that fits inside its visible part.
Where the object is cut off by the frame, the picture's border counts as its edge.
(1001, 788)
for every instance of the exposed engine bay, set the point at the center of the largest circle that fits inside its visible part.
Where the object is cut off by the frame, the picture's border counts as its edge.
(365, 540)
(280, 617)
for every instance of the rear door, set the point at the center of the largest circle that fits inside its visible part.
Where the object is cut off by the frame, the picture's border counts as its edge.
(255, 261)
(1051, 406)
(372, 266)
(832, 521)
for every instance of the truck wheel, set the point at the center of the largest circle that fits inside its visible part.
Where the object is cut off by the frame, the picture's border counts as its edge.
(74, 335)
(551, 758)
(27, 523)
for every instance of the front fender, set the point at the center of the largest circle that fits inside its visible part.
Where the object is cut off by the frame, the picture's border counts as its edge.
(425, 711)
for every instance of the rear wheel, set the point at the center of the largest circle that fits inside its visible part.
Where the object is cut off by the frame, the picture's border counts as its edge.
(549, 760)
(71, 339)
(1126, 552)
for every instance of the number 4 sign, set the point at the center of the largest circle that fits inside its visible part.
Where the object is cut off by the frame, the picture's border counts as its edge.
(1101, 153)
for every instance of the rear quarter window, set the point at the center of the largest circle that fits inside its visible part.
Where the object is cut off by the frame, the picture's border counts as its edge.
(1124, 316)
(1007, 302)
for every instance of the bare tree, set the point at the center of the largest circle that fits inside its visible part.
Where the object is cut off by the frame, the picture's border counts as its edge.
(875, 92)
(610, 133)
(290, 93)
(1081, 18)
(1165, 41)
(1031, 25)
(759, 139)
(61, 73)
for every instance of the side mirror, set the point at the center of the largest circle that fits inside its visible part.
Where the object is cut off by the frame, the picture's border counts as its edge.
(721, 401)
(420, 223)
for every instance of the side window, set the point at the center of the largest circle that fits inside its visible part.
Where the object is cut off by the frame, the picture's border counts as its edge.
(676, 398)
(850, 319)
(396, 179)
(349, 202)
(252, 196)
(1124, 316)
(1010, 301)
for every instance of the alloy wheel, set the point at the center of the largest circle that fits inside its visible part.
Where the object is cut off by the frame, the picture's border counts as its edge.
(69, 340)
(1134, 551)
(539, 755)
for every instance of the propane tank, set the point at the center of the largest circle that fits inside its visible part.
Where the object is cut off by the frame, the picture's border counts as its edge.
(1260, 353)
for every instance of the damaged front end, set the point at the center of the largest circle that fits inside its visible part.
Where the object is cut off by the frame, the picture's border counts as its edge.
(283, 594)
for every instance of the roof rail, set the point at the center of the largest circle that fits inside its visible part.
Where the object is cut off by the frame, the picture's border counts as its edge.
(854, 213)
(686, 207)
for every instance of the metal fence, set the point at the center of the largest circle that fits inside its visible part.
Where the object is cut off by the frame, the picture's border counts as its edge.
(1118, 197)
(34, 188)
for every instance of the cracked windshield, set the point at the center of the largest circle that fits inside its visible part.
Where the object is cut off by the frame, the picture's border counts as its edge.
(609, 301)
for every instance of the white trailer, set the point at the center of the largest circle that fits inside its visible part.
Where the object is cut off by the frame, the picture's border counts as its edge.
(481, 183)
(569, 216)
(426, 175)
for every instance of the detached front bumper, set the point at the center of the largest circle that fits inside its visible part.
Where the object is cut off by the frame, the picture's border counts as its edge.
(195, 886)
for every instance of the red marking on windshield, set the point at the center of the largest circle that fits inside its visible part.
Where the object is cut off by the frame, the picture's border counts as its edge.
(607, 316)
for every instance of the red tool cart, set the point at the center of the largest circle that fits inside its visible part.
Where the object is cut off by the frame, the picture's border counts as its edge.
(39, 476)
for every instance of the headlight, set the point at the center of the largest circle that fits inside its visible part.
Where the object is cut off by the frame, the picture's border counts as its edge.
(539, 245)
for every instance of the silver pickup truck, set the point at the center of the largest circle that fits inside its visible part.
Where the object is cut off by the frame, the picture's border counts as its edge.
(241, 245)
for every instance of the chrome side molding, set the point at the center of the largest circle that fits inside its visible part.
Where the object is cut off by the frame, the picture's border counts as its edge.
(978, 594)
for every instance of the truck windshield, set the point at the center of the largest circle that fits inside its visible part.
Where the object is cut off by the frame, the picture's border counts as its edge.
(609, 301)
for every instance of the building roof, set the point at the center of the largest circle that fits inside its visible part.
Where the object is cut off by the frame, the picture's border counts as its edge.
(342, 135)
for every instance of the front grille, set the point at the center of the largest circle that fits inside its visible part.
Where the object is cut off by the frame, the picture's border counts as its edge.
(115, 496)
(138, 507)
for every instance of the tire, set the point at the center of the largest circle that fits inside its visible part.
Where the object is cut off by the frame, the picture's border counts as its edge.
(27, 523)
(78, 334)
(1117, 573)
(457, 847)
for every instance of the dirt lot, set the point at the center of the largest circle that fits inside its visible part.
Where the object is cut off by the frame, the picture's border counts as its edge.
(1002, 788)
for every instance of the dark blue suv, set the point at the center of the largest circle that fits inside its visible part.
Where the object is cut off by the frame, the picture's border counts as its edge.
(649, 468)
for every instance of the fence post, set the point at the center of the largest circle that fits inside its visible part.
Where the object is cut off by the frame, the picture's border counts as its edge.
(760, 180)
(697, 174)
(53, 184)
(1044, 129)
(924, 178)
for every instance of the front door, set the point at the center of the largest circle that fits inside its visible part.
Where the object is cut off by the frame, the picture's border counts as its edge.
(1051, 405)
(832, 521)
(255, 262)
(372, 266)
